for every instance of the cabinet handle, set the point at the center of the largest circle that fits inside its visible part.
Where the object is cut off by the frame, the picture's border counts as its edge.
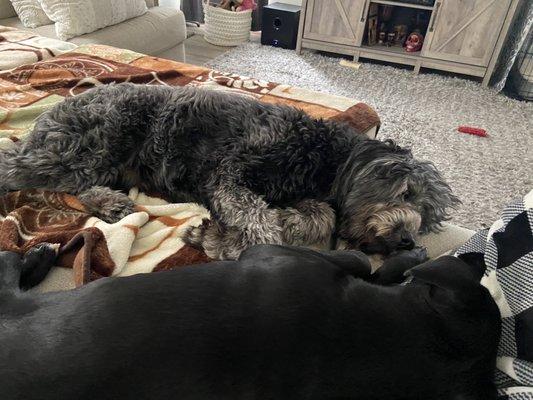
(363, 16)
(435, 15)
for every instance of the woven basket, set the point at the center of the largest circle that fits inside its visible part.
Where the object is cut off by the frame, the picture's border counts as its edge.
(226, 28)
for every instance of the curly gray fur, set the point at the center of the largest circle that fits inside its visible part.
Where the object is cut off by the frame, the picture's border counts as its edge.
(268, 173)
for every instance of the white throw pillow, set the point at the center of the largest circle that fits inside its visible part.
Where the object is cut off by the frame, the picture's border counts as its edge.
(30, 13)
(76, 17)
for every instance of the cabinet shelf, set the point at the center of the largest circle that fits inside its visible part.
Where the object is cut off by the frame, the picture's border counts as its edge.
(398, 50)
(401, 4)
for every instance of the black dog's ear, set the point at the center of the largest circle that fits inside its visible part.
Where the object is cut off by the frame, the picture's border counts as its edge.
(476, 261)
(449, 273)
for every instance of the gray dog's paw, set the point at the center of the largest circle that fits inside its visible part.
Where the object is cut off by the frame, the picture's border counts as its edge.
(3, 190)
(217, 242)
(310, 222)
(107, 204)
(226, 243)
(194, 236)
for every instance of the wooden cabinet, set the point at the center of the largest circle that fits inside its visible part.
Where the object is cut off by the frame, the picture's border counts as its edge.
(463, 36)
(335, 21)
(465, 31)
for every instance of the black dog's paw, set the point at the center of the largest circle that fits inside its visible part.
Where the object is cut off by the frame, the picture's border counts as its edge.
(421, 253)
(107, 204)
(37, 263)
(418, 254)
(397, 264)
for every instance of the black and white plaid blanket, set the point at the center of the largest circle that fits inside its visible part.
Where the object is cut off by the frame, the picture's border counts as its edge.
(507, 250)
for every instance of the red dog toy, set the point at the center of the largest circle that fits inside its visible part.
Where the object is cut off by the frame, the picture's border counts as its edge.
(473, 131)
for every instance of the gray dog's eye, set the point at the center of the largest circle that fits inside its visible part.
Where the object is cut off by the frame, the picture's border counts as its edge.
(407, 195)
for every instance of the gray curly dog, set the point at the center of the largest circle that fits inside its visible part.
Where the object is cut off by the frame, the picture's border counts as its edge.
(268, 173)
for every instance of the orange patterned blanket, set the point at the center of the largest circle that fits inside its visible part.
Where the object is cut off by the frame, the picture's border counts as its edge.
(19, 47)
(146, 241)
(151, 238)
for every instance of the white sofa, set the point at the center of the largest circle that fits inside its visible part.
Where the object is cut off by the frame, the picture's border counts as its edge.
(159, 32)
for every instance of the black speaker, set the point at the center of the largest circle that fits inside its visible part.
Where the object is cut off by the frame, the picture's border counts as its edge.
(280, 25)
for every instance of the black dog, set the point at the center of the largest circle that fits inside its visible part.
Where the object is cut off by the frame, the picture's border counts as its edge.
(280, 323)
(269, 174)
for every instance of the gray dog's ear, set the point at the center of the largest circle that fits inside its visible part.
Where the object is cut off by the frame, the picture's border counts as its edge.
(449, 273)
(435, 198)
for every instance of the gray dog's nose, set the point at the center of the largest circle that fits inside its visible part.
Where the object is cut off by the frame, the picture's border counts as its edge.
(406, 243)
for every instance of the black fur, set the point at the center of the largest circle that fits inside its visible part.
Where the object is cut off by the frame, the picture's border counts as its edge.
(280, 323)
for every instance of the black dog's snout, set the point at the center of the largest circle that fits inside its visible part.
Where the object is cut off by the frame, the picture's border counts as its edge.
(406, 243)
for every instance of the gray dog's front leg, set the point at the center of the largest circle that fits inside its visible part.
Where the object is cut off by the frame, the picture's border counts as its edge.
(308, 223)
(244, 220)
(241, 208)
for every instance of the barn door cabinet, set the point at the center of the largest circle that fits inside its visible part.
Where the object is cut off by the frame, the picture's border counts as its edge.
(461, 36)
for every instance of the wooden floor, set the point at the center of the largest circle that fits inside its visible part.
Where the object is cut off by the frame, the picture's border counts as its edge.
(198, 51)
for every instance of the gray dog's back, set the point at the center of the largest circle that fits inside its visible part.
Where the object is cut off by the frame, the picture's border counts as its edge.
(152, 136)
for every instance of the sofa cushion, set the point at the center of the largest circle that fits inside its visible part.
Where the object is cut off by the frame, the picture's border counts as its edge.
(44, 30)
(6, 9)
(159, 29)
(449, 238)
(78, 17)
(30, 13)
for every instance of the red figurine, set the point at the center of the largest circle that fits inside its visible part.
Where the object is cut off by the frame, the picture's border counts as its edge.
(414, 42)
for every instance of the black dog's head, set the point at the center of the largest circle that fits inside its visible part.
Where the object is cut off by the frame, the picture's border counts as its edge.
(385, 197)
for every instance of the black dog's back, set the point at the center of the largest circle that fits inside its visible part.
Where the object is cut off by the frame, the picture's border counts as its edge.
(280, 323)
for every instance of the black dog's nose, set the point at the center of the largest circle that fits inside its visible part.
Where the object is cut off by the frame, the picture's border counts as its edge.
(406, 243)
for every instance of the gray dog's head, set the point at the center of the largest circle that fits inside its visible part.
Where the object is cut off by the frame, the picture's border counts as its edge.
(385, 197)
